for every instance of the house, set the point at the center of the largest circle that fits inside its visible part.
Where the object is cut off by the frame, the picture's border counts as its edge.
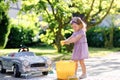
(14, 9)
(111, 20)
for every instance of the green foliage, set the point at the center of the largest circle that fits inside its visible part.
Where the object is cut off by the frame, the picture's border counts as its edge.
(57, 13)
(4, 30)
(4, 24)
(20, 35)
(49, 38)
(22, 32)
(4, 21)
(116, 37)
(95, 37)
(98, 36)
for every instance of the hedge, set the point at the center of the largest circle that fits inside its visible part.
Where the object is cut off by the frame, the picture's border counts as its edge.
(19, 35)
(96, 36)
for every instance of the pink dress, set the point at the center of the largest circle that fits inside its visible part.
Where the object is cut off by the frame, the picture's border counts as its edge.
(80, 50)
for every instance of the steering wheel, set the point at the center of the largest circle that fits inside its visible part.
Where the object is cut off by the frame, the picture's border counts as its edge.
(23, 49)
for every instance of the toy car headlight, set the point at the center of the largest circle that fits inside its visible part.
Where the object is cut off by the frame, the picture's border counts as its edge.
(49, 62)
(25, 63)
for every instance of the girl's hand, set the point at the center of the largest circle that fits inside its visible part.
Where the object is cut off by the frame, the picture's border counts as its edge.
(62, 42)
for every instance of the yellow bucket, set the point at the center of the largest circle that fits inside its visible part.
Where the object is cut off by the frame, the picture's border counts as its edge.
(65, 69)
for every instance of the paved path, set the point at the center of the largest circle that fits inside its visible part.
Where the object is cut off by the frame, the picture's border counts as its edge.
(99, 68)
(105, 68)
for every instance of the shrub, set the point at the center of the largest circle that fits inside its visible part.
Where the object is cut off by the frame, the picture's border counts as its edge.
(97, 36)
(116, 37)
(4, 29)
(20, 35)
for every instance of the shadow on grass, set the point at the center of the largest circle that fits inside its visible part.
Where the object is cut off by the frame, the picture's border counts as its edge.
(63, 57)
(56, 56)
(40, 54)
(44, 48)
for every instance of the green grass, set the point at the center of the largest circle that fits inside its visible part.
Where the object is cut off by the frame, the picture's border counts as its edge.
(52, 53)
(37, 50)
(97, 52)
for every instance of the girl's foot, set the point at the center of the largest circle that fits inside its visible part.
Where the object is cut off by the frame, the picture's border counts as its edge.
(83, 76)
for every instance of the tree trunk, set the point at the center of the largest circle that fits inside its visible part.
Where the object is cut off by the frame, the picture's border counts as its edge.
(59, 37)
(109, 37)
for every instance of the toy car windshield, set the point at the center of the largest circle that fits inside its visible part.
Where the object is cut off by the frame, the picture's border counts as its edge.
(21, 54)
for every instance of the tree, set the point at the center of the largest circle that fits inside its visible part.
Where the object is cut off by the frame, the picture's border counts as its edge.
(96, 12)
(4, 22)
(58, 14)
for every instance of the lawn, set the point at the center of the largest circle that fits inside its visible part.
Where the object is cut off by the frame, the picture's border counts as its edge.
(52, 53)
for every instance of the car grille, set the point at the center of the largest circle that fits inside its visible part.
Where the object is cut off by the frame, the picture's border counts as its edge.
(38, 65)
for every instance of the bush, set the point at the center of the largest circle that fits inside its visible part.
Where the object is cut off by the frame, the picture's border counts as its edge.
(96, 36)
(116, 37)
(4, 28)
(20, 35)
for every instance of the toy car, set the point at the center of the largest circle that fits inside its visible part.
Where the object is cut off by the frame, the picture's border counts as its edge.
(24, 62)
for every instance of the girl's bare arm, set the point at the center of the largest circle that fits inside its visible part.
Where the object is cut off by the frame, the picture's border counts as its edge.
(73, 39)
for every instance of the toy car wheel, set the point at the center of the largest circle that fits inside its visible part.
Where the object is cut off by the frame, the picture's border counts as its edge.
(45, 73)
(16, 71)
(1, 68)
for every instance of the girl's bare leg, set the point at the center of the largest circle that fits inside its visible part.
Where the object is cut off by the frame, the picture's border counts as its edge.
(76, 66)
(83, 67)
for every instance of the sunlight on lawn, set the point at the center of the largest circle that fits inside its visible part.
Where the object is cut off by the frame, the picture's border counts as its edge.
(43, 51)
(52, 53)
(38, 51)
(7, 51)
(97, 52)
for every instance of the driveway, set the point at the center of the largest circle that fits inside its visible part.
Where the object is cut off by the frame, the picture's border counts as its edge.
(98, 68)
(103, 68)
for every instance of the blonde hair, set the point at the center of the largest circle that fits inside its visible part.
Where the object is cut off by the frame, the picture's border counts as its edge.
(78, 21)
